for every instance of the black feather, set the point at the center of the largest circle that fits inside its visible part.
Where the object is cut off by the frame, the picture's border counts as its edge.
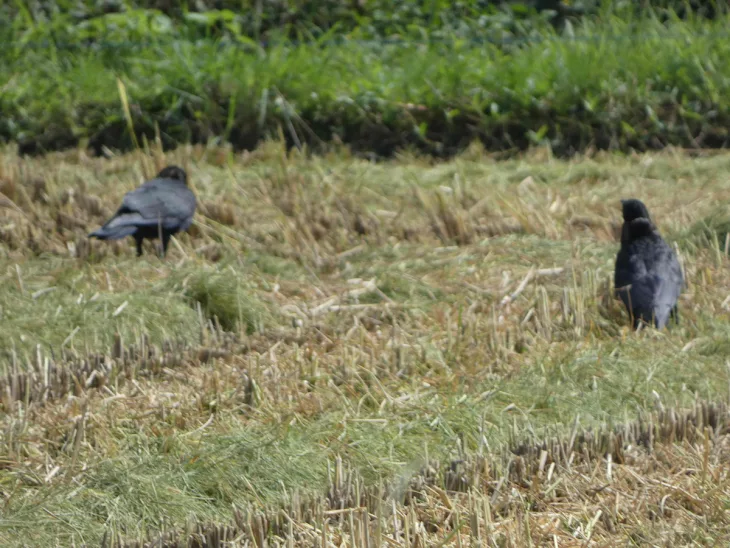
(648, 277)
(158, 208)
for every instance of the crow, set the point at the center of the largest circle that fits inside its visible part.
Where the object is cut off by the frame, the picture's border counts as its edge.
(648, 277)
(157, 209)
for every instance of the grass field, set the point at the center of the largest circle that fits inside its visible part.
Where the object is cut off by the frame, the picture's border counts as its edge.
(404, 353)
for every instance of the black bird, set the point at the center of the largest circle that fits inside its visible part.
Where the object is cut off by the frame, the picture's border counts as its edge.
(648, 277)
(159, 208)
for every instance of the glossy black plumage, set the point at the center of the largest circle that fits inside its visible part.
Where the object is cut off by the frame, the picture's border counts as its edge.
(648, 277)
(157, 209)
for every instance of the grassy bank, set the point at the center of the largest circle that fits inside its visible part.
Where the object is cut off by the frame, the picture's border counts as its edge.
(608, 86)
(392, 316)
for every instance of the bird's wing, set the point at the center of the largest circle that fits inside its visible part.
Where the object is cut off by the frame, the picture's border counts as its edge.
(669, 280)
(630, 267)
(158, 201)
(640, 277)
(656, 280)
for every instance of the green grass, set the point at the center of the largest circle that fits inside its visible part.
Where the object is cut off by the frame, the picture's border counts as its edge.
(84, 312)
(605, 86)
(86, 308)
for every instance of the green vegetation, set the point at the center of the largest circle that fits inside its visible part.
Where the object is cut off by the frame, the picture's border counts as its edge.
(603, 82)
(293, 19)
(311, 18)
(391, 315)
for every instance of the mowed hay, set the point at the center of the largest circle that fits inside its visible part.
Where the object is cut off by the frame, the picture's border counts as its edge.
(570, 491)
(403, 353)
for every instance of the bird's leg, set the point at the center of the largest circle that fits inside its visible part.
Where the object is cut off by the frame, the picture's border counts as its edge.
(674, 314)
(636, 320)
(138, 240)
(161, 235)
(165, 242)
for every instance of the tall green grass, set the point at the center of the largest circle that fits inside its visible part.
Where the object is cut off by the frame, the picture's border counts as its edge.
(603, 85)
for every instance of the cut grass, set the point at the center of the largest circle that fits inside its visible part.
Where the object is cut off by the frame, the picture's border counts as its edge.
(713, 231)
(83, 310)
(388, 348)
(224, 298)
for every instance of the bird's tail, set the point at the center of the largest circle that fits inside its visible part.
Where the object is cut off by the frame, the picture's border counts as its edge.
(117, 228)
(114, 234)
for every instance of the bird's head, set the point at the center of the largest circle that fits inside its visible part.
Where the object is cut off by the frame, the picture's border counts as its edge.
(173, 172)
(634, 209)
(640, 228)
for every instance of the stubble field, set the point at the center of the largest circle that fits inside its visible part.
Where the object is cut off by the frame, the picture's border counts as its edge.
(348, 353)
